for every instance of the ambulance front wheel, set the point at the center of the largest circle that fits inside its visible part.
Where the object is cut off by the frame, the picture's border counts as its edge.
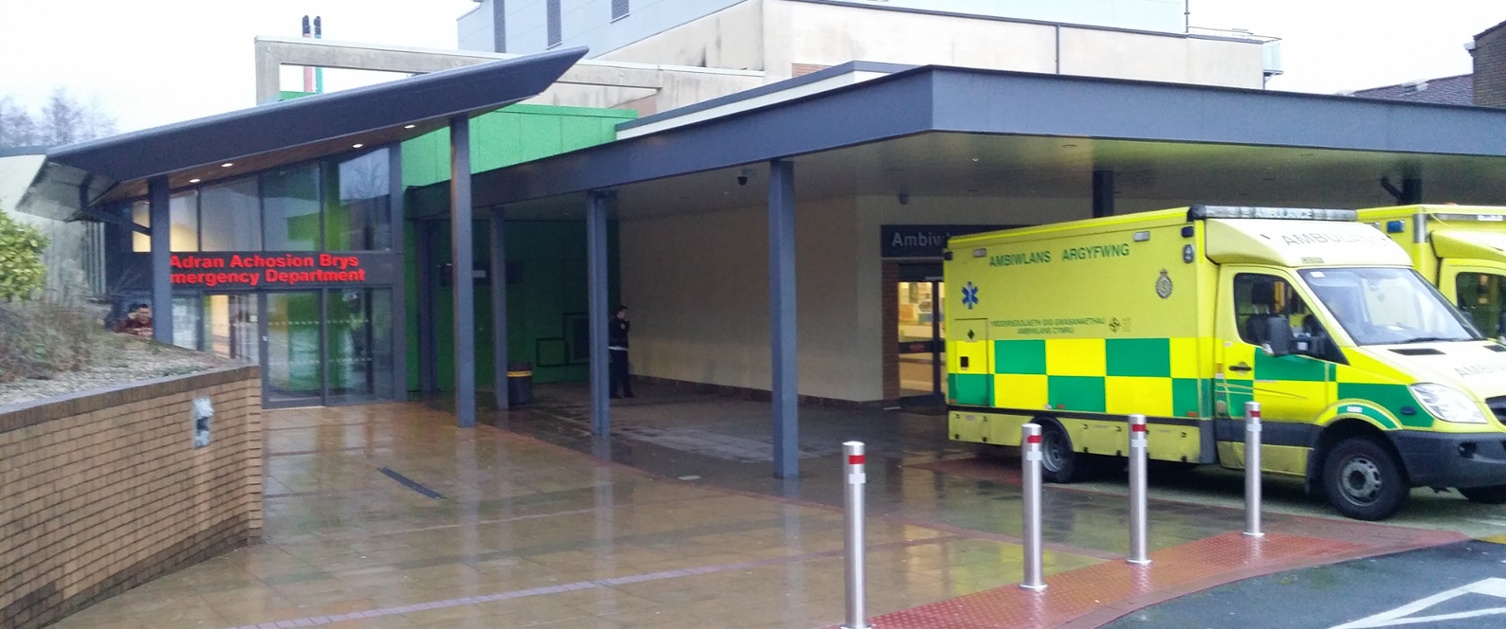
(1363, 480)
(1059, 464)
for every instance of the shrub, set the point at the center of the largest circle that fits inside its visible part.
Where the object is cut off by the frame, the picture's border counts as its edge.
(21, 270)
(38, 340)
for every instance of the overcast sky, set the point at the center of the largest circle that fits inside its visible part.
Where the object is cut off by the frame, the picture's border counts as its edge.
(152, 62)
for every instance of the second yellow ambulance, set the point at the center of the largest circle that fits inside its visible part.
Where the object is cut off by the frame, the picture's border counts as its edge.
(1460, 249)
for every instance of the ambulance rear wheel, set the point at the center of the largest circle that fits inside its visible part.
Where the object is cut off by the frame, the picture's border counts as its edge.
(1363, 480)
(1492, 495)
(1059, 464)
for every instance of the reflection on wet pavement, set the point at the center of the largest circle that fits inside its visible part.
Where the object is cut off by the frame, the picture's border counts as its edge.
(539, 524)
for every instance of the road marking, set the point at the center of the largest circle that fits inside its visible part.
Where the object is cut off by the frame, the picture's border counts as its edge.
(1403, 615)
(1499, 523)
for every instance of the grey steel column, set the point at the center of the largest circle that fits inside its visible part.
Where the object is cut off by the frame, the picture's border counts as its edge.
(498, 276)
(399, 223)
(785, 391)
(1103, 193)
(938, 344)
(596, 277)
(161, 257)
(462, 270)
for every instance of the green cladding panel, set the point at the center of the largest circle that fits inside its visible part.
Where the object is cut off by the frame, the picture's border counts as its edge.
(547, 259)
(509, 136)
(546, 302)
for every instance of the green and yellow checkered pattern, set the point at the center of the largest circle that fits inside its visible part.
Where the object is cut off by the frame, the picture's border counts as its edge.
(1157, 377)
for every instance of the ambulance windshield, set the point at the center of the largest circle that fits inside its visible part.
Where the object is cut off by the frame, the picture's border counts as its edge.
(1387, 306)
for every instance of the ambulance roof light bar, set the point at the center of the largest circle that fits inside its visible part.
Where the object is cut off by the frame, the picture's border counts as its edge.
(1200, 212)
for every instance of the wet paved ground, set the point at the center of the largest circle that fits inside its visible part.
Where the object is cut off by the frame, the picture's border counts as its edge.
(676, 521)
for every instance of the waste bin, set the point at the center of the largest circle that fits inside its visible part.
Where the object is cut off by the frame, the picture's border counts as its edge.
(519, 384)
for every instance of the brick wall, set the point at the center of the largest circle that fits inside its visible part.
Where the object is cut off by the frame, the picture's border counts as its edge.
(802, 69)
(1490, 67)
(103, 491)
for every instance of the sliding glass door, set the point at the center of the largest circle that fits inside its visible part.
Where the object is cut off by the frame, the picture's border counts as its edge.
(328, 347)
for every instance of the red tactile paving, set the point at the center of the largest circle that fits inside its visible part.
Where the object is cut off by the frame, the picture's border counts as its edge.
(1091, 596)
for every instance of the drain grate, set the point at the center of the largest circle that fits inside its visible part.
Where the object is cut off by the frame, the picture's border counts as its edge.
(410, 483)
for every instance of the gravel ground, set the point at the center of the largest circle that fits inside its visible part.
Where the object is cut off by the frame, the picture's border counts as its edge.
(123, 359)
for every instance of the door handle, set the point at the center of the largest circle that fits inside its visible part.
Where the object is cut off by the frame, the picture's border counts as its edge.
(1240, 367)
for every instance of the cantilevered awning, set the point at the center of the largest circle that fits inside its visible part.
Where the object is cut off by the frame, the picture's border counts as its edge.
(79, 175)
(959, 132)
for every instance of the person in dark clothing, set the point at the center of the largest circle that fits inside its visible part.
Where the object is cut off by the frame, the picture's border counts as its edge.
(138, 322)
(617, 345)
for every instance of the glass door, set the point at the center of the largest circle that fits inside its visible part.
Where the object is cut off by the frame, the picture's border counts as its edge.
(325, 347)
(922, 332)
(232, 327)
(360, 344)
(293, 346)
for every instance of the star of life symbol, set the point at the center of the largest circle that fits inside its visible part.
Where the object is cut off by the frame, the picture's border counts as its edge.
(969, 295)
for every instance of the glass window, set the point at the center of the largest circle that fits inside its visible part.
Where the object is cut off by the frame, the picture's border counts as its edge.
(1382, 306)
(1480, 297)
(231, 215)
(187, 326)
(291, 209)
(357, 203)
(183, 211)
(183, 217)
(141, 214)
(1259, 298)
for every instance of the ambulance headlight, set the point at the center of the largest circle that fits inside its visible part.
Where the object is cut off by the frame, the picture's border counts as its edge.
(1448, 404)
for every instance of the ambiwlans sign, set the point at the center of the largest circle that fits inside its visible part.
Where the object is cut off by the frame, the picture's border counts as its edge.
(280, 270)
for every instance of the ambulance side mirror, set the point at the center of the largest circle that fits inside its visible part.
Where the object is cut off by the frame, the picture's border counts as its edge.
(1278, 336)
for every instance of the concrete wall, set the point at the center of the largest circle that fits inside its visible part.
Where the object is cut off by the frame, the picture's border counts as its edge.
(699, 292)
(1149, 15)
(804, 34)
(104, 490)
(474, 30)
(698, 286)
(583, 23)
(677, 87)
(1172, 59)
(728, 38)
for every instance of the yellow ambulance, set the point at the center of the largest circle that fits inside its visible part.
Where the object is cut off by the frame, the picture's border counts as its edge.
(1460, 249)
(1370, 382)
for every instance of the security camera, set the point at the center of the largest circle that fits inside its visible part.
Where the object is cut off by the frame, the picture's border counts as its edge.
(744, 176)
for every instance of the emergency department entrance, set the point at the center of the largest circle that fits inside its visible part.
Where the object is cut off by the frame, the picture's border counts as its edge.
(914, 294)
(292, 269)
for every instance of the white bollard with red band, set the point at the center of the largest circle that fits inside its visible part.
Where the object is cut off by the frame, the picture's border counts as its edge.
(1030, 481)
(1252, 469)
(853, 464)
(1138, 461)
